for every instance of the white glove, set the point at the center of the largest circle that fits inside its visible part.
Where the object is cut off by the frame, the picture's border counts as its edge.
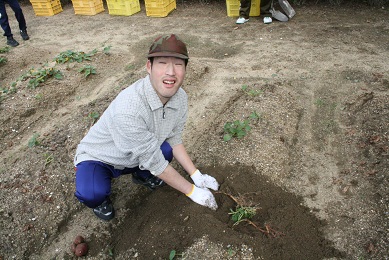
(203, 197)
(204, 180)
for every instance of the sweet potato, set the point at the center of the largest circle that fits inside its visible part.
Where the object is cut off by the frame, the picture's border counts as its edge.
(81, 249)
(79, 239)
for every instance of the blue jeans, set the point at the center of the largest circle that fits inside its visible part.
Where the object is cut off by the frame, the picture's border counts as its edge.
(14, 4)
(93, 178)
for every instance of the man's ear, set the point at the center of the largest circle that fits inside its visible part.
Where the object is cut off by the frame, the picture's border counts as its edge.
(148, 66)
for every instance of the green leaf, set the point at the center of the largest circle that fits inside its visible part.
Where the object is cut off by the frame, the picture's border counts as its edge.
(106, 49)
(58, 76)
(33, 141)
(227, 137)
(254, 115)
(172, 254)
(94, 115)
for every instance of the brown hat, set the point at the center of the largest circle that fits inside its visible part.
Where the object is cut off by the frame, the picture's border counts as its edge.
(168, 46)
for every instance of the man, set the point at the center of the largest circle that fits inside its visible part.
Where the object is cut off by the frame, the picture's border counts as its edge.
(140, 133)
(19, 17)
(267, 11)
(245, 7)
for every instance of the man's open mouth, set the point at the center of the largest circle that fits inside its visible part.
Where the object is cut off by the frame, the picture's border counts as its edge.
(169, 81)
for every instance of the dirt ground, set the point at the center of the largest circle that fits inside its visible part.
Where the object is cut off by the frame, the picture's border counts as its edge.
(314, 164)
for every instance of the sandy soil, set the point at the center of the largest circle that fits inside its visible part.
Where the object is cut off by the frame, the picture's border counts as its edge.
(314, 164)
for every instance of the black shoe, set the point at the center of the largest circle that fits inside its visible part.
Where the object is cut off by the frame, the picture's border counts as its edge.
(105, 211)
(24, 35)
(12, 42)
(151, 182)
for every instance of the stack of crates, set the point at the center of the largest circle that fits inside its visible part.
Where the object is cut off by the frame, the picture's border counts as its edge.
(159, 8)
(233, 8)
(123, 7)
(46, 7)
(88, 7)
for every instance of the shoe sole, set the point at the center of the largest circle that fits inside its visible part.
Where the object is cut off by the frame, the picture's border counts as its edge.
(242, 22)
(13, 45)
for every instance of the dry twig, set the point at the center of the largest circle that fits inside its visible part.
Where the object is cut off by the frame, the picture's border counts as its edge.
(269, 231)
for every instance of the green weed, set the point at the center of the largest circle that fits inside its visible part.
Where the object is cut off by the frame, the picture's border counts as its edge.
(87, 70)
(41, 75)
(242, 213)
(106, 50)
(231, 252)
(33, 141)
(4, 49)
(238, 129)
(173, 254)
(110, 252)
(48, 158)
(3, 60)
(129, 67)
(5, 91)
(254, 116)
(72, 56)
(251, 92)
(245, 210)
(325, 104)
(94, 116)
(319, 102)
(38, 96)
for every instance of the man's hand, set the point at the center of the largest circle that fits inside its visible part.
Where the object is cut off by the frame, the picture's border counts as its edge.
(204, 180)
(203, 197)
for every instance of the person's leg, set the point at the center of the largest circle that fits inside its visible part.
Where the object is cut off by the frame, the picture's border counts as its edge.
(265, 7)
(93, 187)
(244, 10)
(4, 20)
(14, 4)
(93, 183)
(145, 178)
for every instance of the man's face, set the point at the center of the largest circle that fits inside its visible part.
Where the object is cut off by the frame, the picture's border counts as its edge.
(166, 76)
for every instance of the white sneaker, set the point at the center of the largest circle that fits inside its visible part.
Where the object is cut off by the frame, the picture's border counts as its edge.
(242, 20)
(267, 20)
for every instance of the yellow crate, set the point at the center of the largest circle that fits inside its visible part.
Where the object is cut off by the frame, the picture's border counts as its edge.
(159, 8)
(87, 7)
(123, 7)
(46, 7)
(233, 8)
